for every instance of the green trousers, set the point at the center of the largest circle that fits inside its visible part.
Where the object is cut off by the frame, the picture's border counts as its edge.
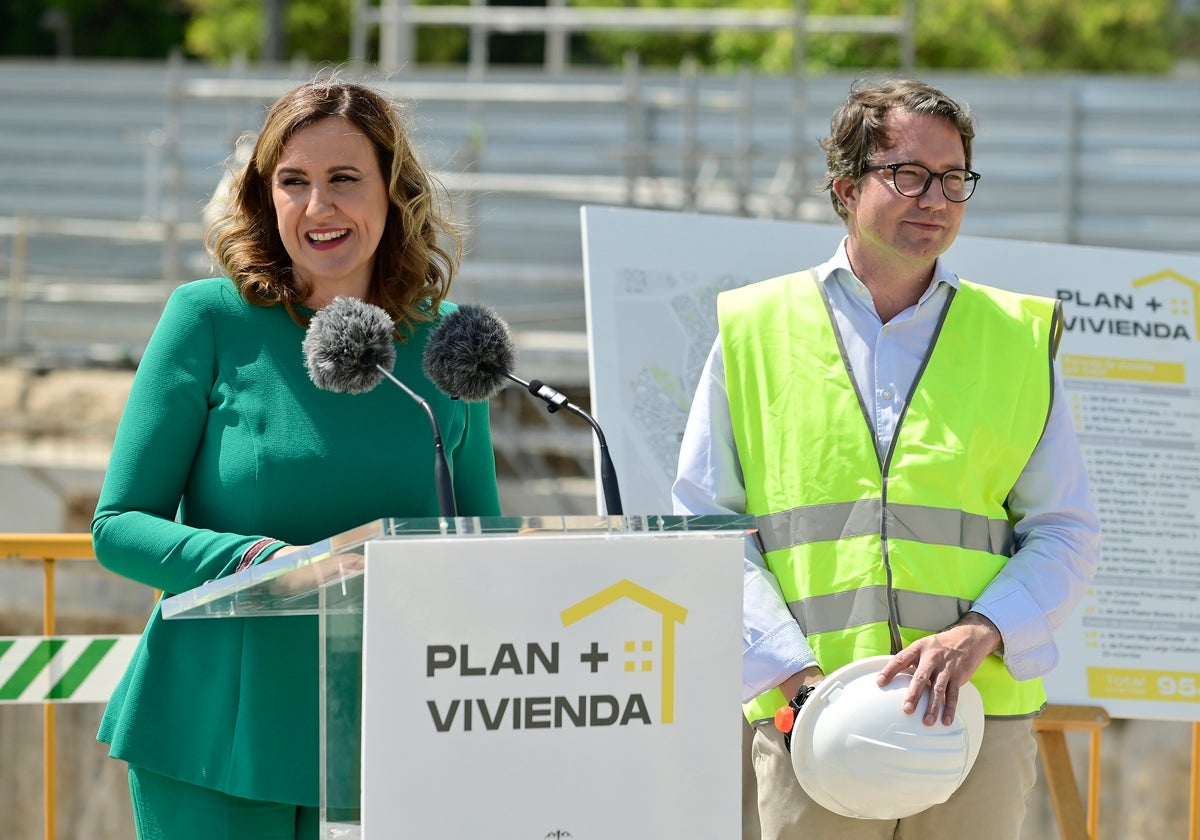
(167, 809)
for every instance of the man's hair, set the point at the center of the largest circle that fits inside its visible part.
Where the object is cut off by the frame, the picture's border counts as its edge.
(858, 127)
(420, 248)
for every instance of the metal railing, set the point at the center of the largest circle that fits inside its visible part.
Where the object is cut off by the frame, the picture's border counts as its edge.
(48, 549)
(1065, 160)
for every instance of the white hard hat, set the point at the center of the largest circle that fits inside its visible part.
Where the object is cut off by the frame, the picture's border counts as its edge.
(858, 754)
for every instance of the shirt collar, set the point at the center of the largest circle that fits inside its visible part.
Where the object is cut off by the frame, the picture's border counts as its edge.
(837, 270)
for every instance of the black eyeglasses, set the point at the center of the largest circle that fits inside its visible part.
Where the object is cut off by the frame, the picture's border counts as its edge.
(913, 179)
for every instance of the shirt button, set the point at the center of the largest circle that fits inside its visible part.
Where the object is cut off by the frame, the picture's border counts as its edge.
(887, 395)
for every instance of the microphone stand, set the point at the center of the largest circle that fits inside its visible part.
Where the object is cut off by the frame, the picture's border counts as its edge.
(555, 400)
(441, 467)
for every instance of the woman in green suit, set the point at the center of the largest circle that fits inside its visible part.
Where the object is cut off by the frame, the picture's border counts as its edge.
(227, 454)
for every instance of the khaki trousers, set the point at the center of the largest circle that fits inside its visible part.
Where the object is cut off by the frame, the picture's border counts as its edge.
(989, 805)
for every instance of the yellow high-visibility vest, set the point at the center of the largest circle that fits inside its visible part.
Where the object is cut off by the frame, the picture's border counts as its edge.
(875, 550)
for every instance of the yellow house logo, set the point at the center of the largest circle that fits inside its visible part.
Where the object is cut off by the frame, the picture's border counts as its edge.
(671, 615)
(1183, 303)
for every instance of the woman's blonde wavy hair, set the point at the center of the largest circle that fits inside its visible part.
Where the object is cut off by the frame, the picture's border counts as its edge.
(420, 248)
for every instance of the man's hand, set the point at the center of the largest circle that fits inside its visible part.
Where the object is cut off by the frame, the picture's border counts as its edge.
(941, 663)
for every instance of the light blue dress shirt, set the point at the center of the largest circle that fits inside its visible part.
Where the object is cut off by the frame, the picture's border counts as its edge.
(1056, 527)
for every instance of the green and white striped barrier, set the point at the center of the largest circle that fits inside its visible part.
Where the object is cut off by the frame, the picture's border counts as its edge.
(62, 669)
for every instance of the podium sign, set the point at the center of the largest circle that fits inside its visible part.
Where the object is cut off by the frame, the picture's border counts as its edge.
(557, 686)
(565, 677)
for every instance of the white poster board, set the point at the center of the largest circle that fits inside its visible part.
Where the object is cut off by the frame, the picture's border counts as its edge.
(1131, 363)
(552, 686)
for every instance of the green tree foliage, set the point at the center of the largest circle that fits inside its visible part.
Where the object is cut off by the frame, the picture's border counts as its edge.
(995, 35)
(1187, 38)
(664, 49)
(316, 29)
(222, 29)
(24, 32)
(91, 28)
(1010, 36)
(1099, 36)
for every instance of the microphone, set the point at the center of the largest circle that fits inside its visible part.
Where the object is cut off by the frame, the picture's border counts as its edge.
(470, 354)
(348, 349)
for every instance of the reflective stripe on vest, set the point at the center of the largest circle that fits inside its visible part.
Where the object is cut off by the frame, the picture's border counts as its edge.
(875, 550)
(912, 522)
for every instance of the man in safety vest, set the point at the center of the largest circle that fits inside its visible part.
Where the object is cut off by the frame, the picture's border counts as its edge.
(900, 435)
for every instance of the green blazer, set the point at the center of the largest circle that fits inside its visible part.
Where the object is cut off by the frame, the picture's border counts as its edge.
(225, 440)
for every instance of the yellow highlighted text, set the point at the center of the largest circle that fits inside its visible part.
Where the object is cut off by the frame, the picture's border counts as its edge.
(1137, 370)
(1142, 684)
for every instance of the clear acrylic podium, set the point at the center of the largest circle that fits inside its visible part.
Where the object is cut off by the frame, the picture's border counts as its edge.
(672, 582)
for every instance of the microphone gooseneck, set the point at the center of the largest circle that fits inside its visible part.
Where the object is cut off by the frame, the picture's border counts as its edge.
(469, 355)
(348, 348)
(555, 400)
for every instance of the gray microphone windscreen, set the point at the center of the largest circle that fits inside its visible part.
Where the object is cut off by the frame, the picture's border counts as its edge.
(468, 353)
(347, 341)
